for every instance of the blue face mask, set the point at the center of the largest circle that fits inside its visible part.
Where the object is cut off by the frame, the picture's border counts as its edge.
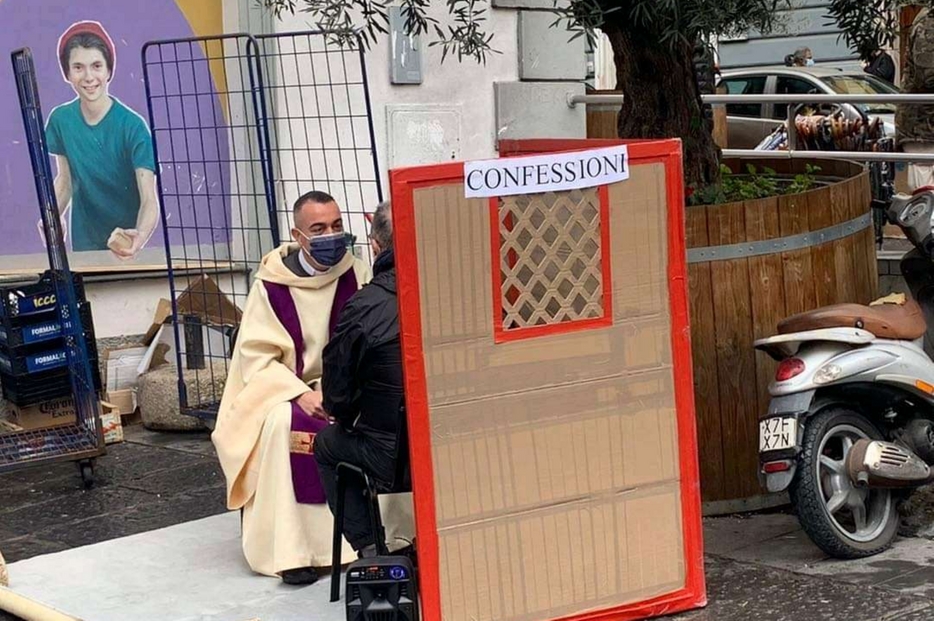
(328, 250)
(809, 62)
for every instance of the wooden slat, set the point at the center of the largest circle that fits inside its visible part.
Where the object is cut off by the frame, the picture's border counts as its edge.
(798, 274)
(872, 264)
(602, 121)
(767, 293)
(703, 350)
(736, 362)
(842, 248)
(820, 215)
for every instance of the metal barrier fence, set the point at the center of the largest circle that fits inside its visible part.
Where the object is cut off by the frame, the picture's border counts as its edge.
(243, 125)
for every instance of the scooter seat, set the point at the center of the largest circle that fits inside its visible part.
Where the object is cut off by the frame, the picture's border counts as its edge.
(903, 322)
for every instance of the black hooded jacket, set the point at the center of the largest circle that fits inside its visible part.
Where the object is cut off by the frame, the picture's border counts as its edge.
(362, 376)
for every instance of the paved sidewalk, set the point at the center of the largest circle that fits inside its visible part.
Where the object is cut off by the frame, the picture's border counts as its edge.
(764, 567)
(758, 567)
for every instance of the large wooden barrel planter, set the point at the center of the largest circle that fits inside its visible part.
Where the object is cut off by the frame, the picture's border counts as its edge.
(751, 264)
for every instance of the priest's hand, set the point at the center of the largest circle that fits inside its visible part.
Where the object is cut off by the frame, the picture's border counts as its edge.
(311, 403)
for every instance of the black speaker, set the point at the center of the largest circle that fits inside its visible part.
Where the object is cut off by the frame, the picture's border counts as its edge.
(381, 589)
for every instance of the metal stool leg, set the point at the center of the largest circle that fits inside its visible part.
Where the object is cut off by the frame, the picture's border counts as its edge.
(376, 519)
(337, 542)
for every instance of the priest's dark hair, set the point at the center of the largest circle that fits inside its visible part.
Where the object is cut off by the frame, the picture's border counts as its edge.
(315, 196)
(381, 228)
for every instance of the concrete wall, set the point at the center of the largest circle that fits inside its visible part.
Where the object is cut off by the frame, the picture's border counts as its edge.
(805, 25)
(125, 306)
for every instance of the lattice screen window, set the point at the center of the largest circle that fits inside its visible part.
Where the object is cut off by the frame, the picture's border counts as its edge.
(550, 258)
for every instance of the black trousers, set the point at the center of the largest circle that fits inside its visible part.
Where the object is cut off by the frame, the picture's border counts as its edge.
(334, 445)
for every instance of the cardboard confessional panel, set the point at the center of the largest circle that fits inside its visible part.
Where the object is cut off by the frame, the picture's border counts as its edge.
(555, 471)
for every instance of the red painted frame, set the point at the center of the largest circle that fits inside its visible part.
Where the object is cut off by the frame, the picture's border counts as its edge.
(500, 334)
(404, 182)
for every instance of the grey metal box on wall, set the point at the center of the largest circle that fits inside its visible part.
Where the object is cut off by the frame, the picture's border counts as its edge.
(405, 56)
(545, 52)
(538, 110)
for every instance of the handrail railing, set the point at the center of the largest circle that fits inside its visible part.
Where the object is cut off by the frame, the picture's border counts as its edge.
(792, 152)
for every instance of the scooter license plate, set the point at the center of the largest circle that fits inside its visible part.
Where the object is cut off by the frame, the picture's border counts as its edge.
(778, 433)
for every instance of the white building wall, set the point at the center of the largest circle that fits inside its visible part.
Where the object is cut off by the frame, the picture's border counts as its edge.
(451, 114)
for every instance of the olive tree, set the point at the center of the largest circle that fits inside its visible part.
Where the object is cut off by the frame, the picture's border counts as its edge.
(870, 24)
(654, 42)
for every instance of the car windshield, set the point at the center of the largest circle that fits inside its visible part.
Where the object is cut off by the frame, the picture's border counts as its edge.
(863, 85)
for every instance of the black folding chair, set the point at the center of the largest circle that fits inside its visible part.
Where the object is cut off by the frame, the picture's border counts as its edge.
(401, 483)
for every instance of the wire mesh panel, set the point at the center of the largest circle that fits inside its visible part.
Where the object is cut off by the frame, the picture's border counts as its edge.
(320, 123)
(85, 438)
(242, 126)
(204, 100)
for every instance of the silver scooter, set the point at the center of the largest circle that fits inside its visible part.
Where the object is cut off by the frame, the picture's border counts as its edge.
(850, 427)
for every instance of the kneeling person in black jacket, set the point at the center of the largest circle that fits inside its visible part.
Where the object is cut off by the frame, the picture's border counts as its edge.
(362, 385)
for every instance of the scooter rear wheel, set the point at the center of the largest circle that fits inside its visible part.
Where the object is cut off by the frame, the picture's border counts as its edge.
(842, 520)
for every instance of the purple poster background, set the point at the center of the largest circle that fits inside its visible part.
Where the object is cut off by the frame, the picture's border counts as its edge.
(190, 187)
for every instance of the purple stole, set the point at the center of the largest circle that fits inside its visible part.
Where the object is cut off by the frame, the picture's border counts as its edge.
(305, 479)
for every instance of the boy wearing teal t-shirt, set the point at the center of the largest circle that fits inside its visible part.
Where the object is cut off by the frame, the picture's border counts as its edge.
(103, 150)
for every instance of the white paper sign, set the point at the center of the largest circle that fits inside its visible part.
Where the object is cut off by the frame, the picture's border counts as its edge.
(546, 173)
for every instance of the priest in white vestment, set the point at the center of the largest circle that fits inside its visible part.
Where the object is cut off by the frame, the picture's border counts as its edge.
(272, 403)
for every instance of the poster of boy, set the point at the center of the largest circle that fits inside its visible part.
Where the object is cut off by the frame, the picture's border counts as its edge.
(103, 152)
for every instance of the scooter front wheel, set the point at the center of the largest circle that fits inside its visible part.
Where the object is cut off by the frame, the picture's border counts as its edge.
(841, 519)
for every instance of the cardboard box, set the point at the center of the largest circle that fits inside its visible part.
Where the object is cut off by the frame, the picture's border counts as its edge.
(215, 312)
(204, 298)
(121, 367)
(54, 413)
(554, 455)
(123, 401)
(161, 350)
(111, 423)
(60, 412)
(8, 427)
(162, 315)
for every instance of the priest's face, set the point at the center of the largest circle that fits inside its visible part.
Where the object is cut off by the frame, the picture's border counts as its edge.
(315, 219)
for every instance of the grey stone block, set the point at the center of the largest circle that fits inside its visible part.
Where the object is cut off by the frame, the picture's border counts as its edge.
(530, 4)
(538, 110)
(545, 52)
(158, 396)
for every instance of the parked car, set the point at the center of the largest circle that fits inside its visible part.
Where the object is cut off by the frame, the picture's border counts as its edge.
(748, 124)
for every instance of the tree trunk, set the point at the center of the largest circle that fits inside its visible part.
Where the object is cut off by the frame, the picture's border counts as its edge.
(662, 100)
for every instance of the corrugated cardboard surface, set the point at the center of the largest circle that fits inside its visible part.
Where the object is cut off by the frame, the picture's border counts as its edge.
(53, 413)
(556, 479)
